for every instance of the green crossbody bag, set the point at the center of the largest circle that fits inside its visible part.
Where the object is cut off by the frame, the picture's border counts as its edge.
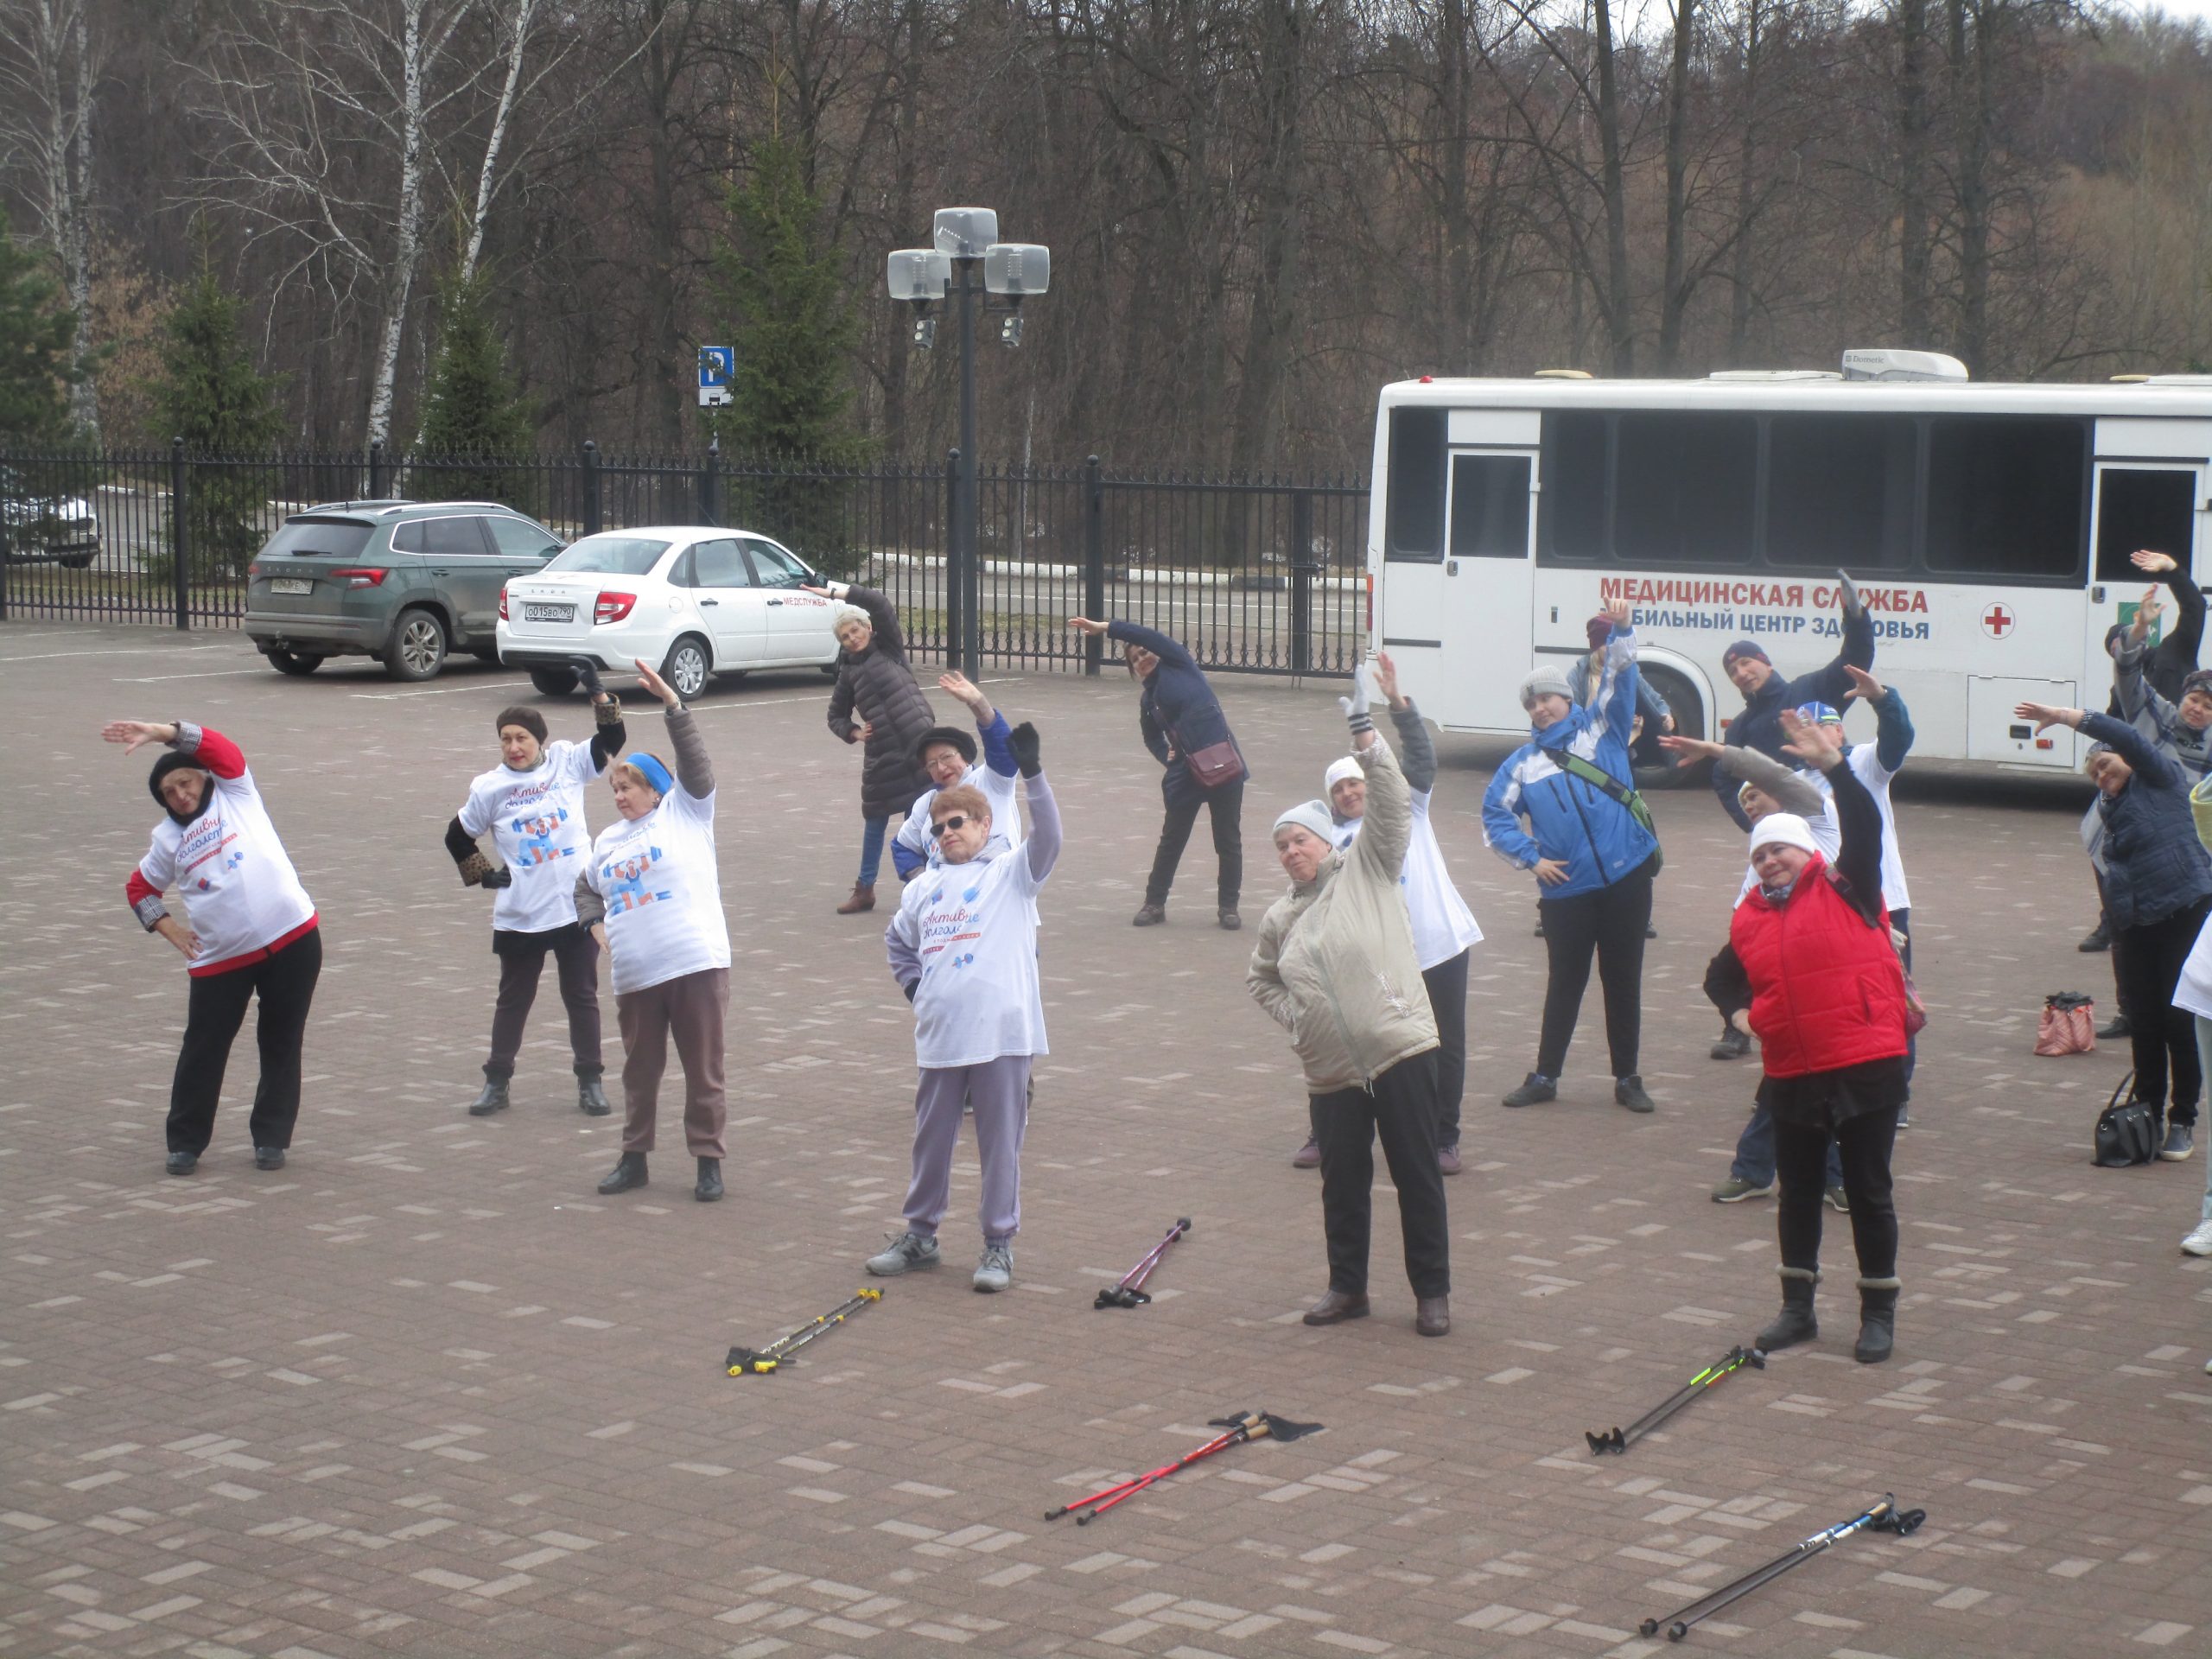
(1597, 778)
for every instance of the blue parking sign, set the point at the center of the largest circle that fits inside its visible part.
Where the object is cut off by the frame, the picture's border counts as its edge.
(717, 367)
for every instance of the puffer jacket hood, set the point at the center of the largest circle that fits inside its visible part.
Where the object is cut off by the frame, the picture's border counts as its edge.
(1335, 963)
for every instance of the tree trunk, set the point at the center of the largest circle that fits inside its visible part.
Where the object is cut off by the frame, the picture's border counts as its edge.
(1674, 288)
(1616, 301)
(1742, 268)
(525, 18)
(407, 244)
(1913, 239)
(1273, 321)
(1972, 49)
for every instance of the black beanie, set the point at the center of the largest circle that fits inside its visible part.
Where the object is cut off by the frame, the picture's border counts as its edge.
(528, 718)
(174, 762)
(951, 734)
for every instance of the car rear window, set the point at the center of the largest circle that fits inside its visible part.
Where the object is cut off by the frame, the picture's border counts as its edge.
(319, 539)
(612, 555)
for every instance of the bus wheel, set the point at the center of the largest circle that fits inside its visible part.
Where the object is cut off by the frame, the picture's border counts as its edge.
(1655, 767)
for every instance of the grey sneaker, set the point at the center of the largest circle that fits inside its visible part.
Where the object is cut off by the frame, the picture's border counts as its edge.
(1735, 1190)
(2181, 1141)
(1629, 1091)
(1838, 1200)
(1534, 1091)
(907, 1252)
(995, 1269)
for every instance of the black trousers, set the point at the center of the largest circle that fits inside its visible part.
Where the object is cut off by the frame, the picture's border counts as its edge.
(522, 960)
(1185, 799)
(1402, 1110)
(1610, 921)
(1801, 1160)
(285, 983)
(1447, 1000)
(2146, 959)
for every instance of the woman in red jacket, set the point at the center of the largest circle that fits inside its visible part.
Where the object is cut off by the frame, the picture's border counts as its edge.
(1828, 1003)
(252, 932)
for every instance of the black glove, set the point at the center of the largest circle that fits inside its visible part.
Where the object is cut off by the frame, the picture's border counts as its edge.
(910, 988)
(1024, 742)
(502, 877)
(587, 675)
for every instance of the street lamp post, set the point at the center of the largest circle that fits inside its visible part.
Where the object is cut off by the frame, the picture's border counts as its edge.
(967, 244)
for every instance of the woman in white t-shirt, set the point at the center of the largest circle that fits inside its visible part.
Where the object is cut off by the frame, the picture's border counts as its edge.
(252, 932)
(651, 892)
(963, 948)
(532, 805)
(1445, 933)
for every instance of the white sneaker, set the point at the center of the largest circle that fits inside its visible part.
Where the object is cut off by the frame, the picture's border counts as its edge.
(2200, 1242)
(995, 1270)
(907, 1252)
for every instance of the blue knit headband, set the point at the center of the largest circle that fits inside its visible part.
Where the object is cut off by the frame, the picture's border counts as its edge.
(654, 772)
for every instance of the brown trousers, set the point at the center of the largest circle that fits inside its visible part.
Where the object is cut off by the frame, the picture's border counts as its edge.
(689, 1006)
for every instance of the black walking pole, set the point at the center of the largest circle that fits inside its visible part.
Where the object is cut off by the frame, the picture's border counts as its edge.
(1129, 1293)
(759, 1361)
(1619, 1439)
(1884, 1516)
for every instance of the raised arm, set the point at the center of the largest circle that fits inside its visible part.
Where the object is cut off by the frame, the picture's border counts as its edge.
(882, 617)
(1135, 634)
(1859, 821)
(695, 772)
(1417, 753)
(1786, 785)
(203, 745)
(1387, 827)
(1043, 847)
(2178, 650)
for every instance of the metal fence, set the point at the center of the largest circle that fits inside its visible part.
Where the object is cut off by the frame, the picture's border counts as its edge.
(1259, 576)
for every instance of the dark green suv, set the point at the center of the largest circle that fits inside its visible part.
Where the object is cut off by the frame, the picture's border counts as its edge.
(402, 581)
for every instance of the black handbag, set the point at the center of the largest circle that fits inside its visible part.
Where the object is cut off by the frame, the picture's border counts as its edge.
(2127, 1130)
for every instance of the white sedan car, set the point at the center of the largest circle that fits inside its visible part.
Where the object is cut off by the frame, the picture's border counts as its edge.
(698, 601)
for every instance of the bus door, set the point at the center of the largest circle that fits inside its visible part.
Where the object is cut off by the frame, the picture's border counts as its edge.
(2153, 505)
(1457, 623)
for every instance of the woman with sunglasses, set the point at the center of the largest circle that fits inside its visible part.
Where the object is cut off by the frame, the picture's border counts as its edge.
(1182, 724)
(964, 948)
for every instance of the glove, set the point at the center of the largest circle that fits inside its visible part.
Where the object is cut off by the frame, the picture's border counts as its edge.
(1024, 742)
(1851, 603)
(1355, 706)
(587, 674)
(910, 988)
(502, 877)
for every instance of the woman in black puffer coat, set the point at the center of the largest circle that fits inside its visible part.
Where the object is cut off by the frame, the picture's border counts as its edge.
(877, 703)
(1179, 716)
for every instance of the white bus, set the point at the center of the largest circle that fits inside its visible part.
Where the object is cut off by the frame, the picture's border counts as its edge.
(1988, 527)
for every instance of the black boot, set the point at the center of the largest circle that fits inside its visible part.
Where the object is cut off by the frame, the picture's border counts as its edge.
(1877, 1320)
(591, 1099)
(1796, 1323)
(710, 1180)
(628, 1171)
(493, 1099)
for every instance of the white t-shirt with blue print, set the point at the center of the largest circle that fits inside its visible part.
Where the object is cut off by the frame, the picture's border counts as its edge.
(974, 926)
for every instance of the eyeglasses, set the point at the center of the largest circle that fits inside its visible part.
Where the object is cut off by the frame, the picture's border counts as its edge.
(945, 826)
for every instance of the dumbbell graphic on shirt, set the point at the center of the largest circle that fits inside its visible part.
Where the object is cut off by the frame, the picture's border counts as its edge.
(537, 844)
(623, 882)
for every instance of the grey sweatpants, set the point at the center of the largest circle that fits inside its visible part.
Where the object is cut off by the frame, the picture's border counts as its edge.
(999, 1090)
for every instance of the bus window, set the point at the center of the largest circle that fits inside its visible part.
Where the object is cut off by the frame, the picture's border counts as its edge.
(1575, 485)
(1839, 492)
(1415, 526)
(2143, 507)
(1683, 485)
(2005, 497)
(1489, 506)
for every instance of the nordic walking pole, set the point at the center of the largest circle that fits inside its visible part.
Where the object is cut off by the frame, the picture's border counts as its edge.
(759, 1361)
(1619, 1439)
(1244, 1426)
(1884, 1516)
(1124, 1488)
(1129, 1293)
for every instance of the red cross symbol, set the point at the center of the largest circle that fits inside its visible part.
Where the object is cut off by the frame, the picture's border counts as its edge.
(1997, 621)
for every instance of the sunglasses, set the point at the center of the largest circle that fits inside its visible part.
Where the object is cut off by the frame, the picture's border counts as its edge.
(945, 826)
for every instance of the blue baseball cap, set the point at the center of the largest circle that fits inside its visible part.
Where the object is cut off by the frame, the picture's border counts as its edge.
(1820, 714)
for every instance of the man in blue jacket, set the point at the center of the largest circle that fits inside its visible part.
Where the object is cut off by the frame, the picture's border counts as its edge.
(1767, 693)
(1593, 858)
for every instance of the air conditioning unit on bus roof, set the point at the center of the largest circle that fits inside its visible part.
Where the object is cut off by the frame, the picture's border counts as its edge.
(1884, 363)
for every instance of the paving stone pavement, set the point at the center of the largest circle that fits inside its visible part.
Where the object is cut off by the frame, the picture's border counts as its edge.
(422, 1392)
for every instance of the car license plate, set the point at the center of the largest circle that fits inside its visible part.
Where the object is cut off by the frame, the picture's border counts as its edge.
(290, 585)
(548, 613)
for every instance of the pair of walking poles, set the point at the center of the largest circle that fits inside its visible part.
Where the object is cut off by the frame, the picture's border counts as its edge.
(1242, 1427)
(1884, 1516)
(1129, 1293)
(760, 1362)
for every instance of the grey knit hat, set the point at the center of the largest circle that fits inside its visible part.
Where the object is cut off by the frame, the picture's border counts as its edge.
(1313, 818)
(1545, 681)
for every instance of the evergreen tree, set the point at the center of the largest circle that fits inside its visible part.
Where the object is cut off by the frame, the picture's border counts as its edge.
(210, 394)
(794, 333)
(37, 341)
(473, 413)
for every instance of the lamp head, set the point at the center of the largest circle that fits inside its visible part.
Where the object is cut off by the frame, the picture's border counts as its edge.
(918, 274)
(964, 232)
(1017, 267)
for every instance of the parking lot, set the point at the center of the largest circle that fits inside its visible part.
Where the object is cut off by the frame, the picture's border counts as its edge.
(422, 1392)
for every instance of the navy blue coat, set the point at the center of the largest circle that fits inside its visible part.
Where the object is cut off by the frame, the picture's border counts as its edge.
(2154, 864)
(1179, 714)
(1759, 726)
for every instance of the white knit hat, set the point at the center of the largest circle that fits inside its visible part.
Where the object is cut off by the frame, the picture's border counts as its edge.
(1313, 818)
(1545, 681)
(1338, 771)
(1783, 830)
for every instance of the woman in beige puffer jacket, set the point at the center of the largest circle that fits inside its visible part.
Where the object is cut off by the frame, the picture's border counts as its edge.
(1335, 966)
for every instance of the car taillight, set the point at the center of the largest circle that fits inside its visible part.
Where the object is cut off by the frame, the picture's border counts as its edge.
(253, 570)
(503, 605)
(359, 576)
(1370, 602)
(613, 607)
